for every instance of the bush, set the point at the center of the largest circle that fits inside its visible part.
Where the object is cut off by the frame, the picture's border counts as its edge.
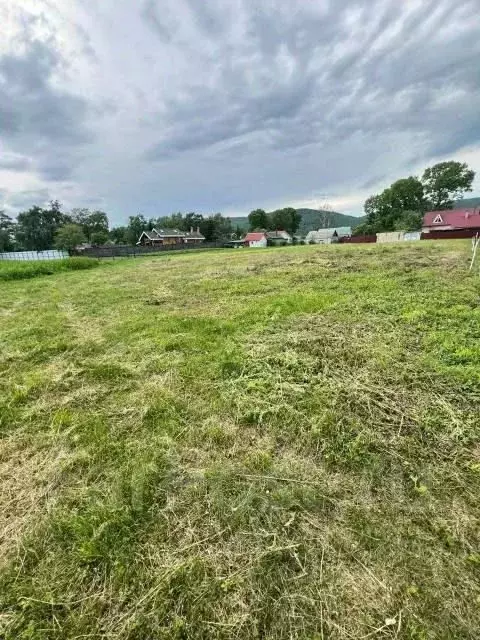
(21, 270)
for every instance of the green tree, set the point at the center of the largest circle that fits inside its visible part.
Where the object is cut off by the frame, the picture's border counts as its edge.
(385, 211)
(192, 221)
(223, 227)
(405, 194)
(287, 219)
(99, 237)
(175, 221)
(7, 232)
(90, 221)
(364, 229)
(216, 227)
(409, 221)
(258, 219)
(118, 235)
(69, 236)
(36, 227)
(239, 233)
(446, 182)
(136, 224)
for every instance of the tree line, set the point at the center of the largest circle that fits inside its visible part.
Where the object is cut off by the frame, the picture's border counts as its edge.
(41, 228)
(287, 219)
(213, 228)
(402, 205)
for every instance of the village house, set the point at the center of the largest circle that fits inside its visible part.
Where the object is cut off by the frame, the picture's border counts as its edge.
(278, 237)
(452, 220)
(255, 239)
(328, 236)
(159, 237)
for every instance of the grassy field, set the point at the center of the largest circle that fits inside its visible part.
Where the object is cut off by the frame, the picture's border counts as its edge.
(267, 444)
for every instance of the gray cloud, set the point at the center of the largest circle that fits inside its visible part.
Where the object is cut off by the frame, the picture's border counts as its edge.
(14, 162)
(220, 106)
(28, 198)
(151, 14)
(311, 95)
(38, 117)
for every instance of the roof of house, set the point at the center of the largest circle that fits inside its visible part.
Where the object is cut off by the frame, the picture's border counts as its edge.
(151, 235)
(169, 233)
(343, 231)
(194, 234)
(322, 234)
(254, 236)
(280, 234)
(457, 218)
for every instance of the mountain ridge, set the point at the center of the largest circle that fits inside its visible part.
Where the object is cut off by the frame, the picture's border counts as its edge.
(312, 219)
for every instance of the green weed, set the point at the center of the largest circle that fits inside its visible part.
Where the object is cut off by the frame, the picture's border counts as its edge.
(21, 270)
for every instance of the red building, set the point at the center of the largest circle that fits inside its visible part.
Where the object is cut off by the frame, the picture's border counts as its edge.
(446, 222)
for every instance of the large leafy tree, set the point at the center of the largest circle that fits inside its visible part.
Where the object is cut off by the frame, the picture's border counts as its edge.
(69, 236)
(287, 219)
(36, 227)
(238, 233)
(136, 224)
(216, 227)
(258, 219)
(409, 221)
(99, 237)
(7, 227)
(192, 221)
(446, 182)
(119, 235)
(92, 222)
(405, 195)
(175, 221)
(386, 211)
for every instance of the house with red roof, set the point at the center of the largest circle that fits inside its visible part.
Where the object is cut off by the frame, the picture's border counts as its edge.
(255, 239)
(452, 220)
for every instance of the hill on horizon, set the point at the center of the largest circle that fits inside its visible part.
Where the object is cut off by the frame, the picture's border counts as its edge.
(467, 203)
(313, 219)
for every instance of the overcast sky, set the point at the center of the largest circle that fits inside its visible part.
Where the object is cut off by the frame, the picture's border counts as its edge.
(156, 106)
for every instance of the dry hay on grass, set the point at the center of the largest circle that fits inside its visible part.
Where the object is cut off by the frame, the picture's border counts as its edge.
(29, 481)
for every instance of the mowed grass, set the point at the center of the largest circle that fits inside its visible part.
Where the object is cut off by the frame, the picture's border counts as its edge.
(268, 444)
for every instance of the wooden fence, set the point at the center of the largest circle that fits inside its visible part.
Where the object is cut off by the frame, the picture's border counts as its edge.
(125, 250)
(450, 235)
(362, 239)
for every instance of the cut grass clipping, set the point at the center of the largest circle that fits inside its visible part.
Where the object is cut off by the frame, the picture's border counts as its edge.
(22, 270)
(270, 444)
